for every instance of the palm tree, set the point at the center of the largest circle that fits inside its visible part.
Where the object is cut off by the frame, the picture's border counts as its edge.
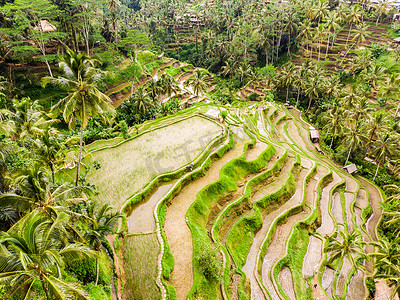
(168, 84)
(291, 27)
(101, 223)
(381, 7)
(320, 34)
(287, 77)
(28, 119)
(197, 81)
(312, 90)
(49, 150)
(377, 124)
(352, 17)
(394, 192)
(386, 255)
(229, 68)
(31, 249)
(361, 110)
(347, 246)
(33, 192)
(385, 146)
(154, 89)
(141, 101)
(332, 86)
(351, 97)
(305, 32)
(375, 75)
(354, 137)
(331, 23)
(360, 36)
(84, 100)
(334, 124)
(320, 10)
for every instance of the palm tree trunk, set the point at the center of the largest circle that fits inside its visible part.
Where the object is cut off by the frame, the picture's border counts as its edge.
(377, 20)
(288, 48)
(376, 172)
(46, 291)
(287, 93)
(309, 104)
(97, 270)
(319, 49)
(330, 146)
(298, 96)
(397, 110)
(348, 155)
(327, 47)
(348, 36)
(52, 173)
(79, 157)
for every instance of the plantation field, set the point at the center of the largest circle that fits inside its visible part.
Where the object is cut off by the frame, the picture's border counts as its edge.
(128, 166)
(250, 220)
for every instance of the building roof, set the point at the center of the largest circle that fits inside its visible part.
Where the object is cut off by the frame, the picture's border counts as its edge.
(397, 40)
(45, 26)
(350, 168)
(213, 113)
(314, 134)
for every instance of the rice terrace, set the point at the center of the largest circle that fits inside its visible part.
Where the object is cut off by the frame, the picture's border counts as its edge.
(199, 150)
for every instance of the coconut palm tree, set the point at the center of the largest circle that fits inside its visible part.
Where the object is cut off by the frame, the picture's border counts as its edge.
(141, 101)
(386, 254)
(101, 223)
(229, 68)
(33, 192)
(353, 137)
(31, 249)
(349, 245)
(154, 89)
(385, 146)
(374, 75)
(287, 77)
(291, 27)
(305, 32)
(361, 110)
(49, 150)
(381, 7)
(320, 10)
(334, 124)
(320, 34)
(394, 191)
(351, 97)
(313, 86)
(378, 123)
(331, 23)
(84, 100)
(359, 37)
(332, 86)
(168, 84)
(353, 17)
(197, 82)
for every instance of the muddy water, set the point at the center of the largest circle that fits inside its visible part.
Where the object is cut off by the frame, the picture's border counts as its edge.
(286, 281)
(327, 281)
(349, 215)
(178, 233)
(327, 225)
(277, 246)
(343, 277)
(374, 199)
(356, 290)
(312, 257)
(141, 219)
(337, 210)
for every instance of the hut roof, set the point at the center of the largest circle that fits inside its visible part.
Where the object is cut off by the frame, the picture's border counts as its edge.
(350, 168)
(397, 40)
(314, 134)
(45, 26)
(213, 113)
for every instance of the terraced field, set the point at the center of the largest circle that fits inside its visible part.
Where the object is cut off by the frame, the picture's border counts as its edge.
(245, 214)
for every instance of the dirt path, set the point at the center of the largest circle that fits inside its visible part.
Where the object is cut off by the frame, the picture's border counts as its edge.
(178, 233)
(141, 220)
